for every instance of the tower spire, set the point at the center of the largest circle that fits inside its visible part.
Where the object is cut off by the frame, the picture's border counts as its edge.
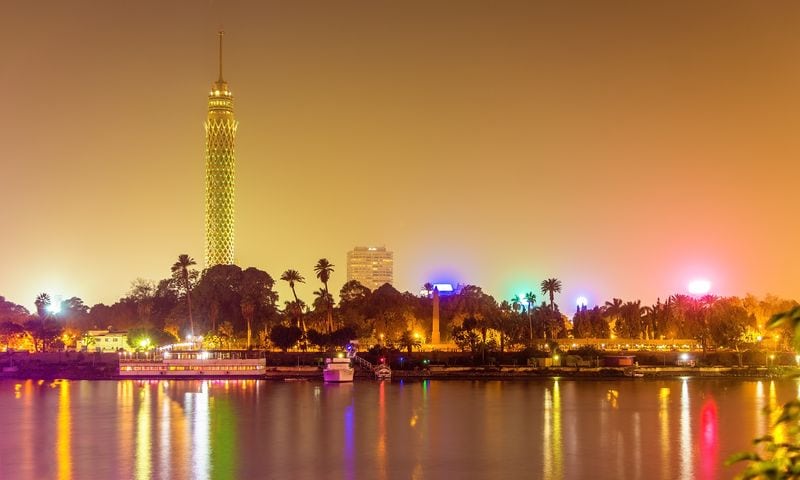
(220, 34)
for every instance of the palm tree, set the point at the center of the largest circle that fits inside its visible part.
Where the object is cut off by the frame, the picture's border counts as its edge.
(323, 269)
(550, 287)
(516, 302)
(293, 276)
(181, 270)
(42, 302)
(612, 311)
(530, 297)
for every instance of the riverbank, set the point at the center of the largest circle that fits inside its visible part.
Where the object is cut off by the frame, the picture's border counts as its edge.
(102, 372)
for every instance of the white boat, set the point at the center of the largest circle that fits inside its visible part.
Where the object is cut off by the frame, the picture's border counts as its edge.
(193, 363)
(338, 369)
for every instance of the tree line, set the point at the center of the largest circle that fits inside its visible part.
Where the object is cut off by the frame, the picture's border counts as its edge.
(231, 307)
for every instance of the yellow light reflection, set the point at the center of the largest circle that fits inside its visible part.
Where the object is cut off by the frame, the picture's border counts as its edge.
(557, 453)
(761, 427)
(779, 431)
(164, 438)
(125, 425)
(551, 443)
(612, 396)
(663, 416)
(143, 435)
(546, 439)
(687, 468)
(64, 433)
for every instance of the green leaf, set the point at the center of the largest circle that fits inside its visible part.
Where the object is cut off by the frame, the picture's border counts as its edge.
(742, 456)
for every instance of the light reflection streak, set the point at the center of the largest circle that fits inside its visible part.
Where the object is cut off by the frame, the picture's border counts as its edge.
(709, 439)
(687, 468)
(546, 434)
(551, 444)
(143, 435)
(775, 410)
(381, 444)
(637, 445)
(64, 433)
(663, 416)
(349, 434)
(761, 427)
(126, 418)
(165, 439)
(196, 406)
(557, 453)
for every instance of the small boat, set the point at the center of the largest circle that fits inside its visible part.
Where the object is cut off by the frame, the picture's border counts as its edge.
(383, 372)
(338, 369)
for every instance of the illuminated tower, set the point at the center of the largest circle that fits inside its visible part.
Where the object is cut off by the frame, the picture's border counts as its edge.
(220, 171)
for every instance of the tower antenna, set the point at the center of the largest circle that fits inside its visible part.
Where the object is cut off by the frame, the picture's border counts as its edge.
(221, 33)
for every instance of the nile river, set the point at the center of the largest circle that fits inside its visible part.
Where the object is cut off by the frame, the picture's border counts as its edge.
(368, 430)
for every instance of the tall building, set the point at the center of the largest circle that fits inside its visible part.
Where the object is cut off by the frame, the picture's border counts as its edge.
(372, 266)
(220, 171)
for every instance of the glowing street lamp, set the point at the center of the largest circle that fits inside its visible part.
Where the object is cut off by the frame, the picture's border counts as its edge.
(582, 302)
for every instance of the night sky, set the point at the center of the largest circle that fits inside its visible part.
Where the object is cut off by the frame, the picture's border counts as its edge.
(622, 147)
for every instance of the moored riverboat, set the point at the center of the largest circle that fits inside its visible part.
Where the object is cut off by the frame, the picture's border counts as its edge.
(338, 370)
(193, 363)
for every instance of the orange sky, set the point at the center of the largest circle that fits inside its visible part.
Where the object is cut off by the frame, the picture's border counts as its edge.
(623, 147)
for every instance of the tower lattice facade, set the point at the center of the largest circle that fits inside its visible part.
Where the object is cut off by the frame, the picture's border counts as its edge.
(220, 172)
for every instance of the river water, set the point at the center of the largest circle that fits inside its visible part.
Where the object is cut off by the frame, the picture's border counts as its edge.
(553, 429)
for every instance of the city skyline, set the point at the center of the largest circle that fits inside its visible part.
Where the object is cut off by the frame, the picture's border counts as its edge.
(650, 144)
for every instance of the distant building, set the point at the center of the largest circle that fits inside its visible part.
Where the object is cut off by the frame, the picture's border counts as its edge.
(371, 266)
(106, 341)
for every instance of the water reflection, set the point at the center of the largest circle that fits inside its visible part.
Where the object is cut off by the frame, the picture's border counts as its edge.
(143, 435)
(709, 440)
(381, 443)
(190, 429)
(552, 444)
(663, 416)
(687, 465)
(165, 439)
(125, 427)
(196, 407)
(64, 433)
(760, 421)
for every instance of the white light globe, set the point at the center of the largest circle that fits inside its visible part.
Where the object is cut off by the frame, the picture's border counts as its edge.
(699, 287)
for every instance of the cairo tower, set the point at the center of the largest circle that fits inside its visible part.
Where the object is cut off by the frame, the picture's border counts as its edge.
(220, 171)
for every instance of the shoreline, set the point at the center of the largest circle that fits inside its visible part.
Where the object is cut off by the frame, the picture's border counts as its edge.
(452, 373)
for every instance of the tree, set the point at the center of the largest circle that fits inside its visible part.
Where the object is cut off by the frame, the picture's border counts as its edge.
(530, 299)
(550, 287)
(181, 270)
(146, 338)
(293, 276)
(409, 341)
(142, 292)
(323, 269)
(42, 303)
(11, 312)
(255, 291)
(612, 310)
(285, 337)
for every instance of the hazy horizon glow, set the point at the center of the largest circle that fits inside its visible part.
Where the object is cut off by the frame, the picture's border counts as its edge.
(624, 149)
